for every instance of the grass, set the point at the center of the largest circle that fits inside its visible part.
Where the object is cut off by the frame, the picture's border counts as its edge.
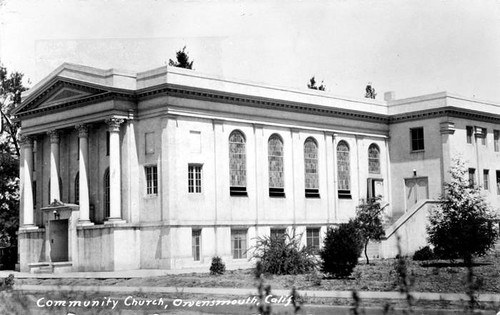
(380, 275)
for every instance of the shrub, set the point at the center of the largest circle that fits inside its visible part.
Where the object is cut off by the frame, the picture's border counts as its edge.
(283, 255)
(7, 283)
(341, 250)
(218, 267)
(462, 225)
(424, 253)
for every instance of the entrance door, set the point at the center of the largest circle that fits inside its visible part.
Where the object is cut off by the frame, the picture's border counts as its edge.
(58, 240)
(416, 189)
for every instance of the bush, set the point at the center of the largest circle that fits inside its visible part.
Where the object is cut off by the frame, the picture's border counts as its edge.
(462, 225)
(424, 253)
(7, 283)
(218, 267)
(283, 255)
(341, 250)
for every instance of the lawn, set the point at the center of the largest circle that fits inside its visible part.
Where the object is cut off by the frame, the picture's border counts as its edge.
(380, 275)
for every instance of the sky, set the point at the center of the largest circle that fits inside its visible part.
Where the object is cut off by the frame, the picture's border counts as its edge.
(409, 47)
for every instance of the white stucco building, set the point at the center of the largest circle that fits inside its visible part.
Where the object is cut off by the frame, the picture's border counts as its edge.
(169, 167)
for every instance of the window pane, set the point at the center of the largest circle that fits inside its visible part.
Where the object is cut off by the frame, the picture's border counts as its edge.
(311, 164)
(373, 159)
(343, 166)
(275, 151)
(196, 244)
(237, 160)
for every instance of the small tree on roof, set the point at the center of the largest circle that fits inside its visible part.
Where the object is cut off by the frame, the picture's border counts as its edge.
(312, 85)
(182, 60)
(370, 92)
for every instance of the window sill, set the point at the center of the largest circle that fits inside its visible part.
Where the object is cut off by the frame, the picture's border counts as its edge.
(417, 151)
(238, 192)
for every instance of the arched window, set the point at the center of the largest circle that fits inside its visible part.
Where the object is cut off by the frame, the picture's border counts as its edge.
(77, 188)
(237, 164)
(311, 168)
(276, 170)
(343, 170)
(373, 159)
(106, 193)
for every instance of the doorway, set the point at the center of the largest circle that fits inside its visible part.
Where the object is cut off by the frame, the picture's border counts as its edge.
(58, 235)
(416, 189)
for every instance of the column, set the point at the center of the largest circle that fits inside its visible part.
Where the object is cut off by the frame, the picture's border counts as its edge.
(54, 166)
(114, 171)
(83, 133)
(28, 215)
(447, 129)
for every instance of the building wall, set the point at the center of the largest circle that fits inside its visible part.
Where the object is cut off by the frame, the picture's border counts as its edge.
(426, 163)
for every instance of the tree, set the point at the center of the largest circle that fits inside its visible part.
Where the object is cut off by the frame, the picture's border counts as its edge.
(9, 195)
(341, 249)
(462, 225)
(11, 87)
(370, 91)
(182, 60)
(312, 85)
(369, 222)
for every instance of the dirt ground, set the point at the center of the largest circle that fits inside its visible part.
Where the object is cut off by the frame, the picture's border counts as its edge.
(380, 275)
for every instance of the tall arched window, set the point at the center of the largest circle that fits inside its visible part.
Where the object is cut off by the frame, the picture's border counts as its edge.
(311, 168)
(276, 169)
(106, 193)
(77, 188)
(373, 159)
(343, 170)
(237, 164)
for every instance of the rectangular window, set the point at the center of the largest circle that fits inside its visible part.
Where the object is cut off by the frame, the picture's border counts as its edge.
(151, 179)
(194, 179)
(484, 134)
(498, 182)
(149, 142)
(277, 233)
(470, 131)
(496, 136)
(417, 139)
(107, 143)
(486, 179)
(239, 244)
(313, 238)
(196, 240)
(472, 175)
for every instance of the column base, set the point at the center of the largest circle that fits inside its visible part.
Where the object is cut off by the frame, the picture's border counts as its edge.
(84, 223)
(114, 221)
(28, 227)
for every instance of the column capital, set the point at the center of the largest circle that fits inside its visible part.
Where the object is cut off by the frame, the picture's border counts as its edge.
(114, 123)
(54, 135)
(25, 141)
(83, 130)
(447, 127)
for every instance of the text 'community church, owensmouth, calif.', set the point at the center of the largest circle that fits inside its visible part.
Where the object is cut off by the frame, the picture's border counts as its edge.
(165, 169)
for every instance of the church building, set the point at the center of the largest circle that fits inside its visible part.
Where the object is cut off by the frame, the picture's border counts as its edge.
(165, 169)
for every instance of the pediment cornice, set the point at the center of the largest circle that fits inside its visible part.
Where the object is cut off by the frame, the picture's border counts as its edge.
(63, 92)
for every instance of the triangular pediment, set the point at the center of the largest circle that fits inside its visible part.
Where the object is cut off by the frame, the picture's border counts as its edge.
(56, 93)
